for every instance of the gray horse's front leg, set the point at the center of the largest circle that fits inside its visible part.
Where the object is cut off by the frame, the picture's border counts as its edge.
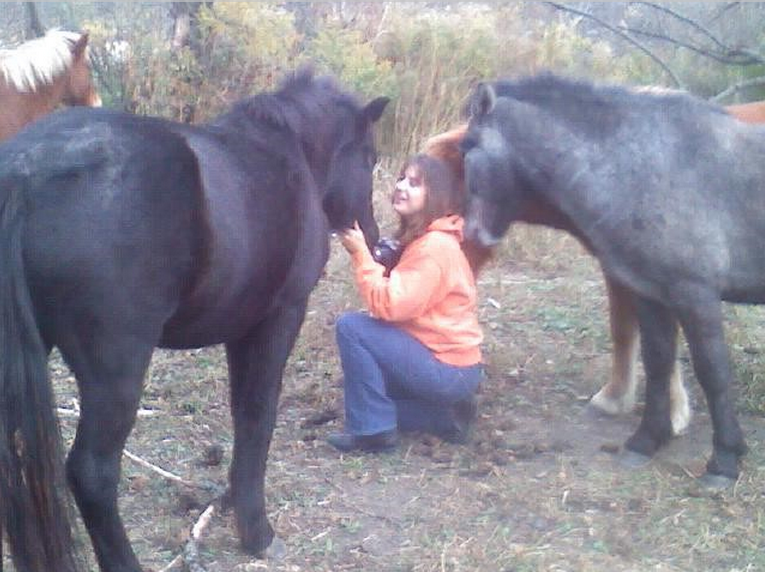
(658, 330)
(702, 325)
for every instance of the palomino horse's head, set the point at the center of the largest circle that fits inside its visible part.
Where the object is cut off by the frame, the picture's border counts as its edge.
(41, 74)
(79, 88)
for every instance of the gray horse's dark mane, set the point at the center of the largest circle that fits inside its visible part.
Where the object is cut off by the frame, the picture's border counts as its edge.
(556, 92)
(595, 110)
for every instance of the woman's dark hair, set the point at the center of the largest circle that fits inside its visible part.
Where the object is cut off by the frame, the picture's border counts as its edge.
(443, 196)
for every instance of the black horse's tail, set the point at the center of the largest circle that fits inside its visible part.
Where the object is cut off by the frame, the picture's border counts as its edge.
(33, 508)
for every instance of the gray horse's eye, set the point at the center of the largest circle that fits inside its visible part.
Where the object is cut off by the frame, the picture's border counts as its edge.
(468, 143)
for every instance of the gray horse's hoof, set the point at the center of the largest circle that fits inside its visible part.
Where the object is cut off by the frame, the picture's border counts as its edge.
(276, 551)
(713, 482)
(633, 460)
(594, 412)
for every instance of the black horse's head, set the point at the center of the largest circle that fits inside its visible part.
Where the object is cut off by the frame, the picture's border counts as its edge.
(337, 136)
(348, 195)
(494, 174)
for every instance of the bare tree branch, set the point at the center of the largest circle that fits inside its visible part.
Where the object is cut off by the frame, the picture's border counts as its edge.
(729, 57)
(623, 35)
(735, 88)
(685, 20)
(723, 10)
(722, 52)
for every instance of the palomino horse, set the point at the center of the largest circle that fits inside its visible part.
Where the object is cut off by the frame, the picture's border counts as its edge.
(619, 394)
(119, 234)
(752, 112)
(665, 190)
(41, 74)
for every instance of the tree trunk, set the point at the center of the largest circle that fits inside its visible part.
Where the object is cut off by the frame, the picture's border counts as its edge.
(34, 28)
(185, 24)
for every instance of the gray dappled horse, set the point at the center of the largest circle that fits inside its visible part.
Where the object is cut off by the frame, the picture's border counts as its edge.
(664, 189)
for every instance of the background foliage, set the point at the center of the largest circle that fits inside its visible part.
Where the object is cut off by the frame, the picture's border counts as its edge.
(426, 56)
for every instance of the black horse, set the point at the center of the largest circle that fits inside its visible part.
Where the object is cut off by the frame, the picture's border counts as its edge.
(666, 190)
(119, 234)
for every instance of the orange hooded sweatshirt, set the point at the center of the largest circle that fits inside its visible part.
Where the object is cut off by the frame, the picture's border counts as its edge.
(430, 293)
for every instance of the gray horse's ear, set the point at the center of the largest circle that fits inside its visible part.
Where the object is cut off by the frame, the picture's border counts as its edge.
(483, 100)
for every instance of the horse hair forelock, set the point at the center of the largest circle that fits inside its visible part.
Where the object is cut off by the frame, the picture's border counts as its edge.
(38, 62)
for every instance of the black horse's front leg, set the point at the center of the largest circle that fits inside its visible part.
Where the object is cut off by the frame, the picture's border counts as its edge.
(658, 332)
(256, 364)
(702, 325)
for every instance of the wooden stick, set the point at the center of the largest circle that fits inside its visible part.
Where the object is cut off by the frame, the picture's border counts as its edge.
(75, 413)
(190, 554)
(161, 471)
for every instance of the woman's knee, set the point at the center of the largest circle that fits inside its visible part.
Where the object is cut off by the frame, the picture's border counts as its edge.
(349, 325)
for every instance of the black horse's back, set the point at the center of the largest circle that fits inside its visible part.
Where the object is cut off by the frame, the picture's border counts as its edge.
(119, 199)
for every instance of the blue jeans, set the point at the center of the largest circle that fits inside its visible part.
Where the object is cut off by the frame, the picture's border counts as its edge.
(392, 380)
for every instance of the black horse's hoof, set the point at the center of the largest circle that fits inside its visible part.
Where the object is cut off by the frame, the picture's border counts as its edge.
(713, 482)
(633, 460)
(275, 552)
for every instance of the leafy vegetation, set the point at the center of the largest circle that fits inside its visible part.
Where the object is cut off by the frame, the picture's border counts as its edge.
(426, 57)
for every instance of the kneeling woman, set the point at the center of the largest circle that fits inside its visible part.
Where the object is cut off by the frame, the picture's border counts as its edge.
(414, 363)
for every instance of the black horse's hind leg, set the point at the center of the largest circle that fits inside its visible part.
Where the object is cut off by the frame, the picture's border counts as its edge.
(256, 364)
(110, 375)
(658, 332)
(702, 325)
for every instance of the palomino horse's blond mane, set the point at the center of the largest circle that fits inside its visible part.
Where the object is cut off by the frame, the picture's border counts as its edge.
(446, 146)
(38, 62)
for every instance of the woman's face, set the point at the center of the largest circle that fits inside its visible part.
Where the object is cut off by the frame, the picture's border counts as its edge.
(409, 193)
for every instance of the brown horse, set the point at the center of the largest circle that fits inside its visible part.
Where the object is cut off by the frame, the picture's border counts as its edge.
(618, 396)
(41, 74)
(752, 112)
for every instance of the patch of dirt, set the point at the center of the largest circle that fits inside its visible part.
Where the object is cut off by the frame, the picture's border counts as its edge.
(537, 488)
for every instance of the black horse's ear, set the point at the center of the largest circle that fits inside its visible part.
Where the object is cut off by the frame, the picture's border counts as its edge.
(374, 109)
(483, 100)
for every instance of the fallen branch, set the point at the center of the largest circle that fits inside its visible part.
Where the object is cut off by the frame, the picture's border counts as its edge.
(75, 413)
(190, 555)
(160, 471)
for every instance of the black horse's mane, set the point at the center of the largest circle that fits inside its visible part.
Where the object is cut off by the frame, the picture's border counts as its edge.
(300, 96)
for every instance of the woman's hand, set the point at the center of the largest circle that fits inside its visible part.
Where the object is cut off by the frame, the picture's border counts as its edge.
(353, 239)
